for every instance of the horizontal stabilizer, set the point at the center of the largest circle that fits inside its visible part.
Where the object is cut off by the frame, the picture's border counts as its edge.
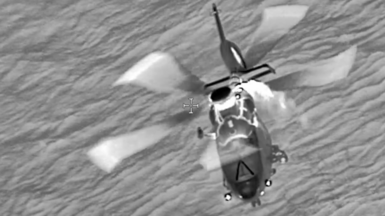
(250, 74)
(108, 153)
(276, 22)
(318, 73)
(210, 87)
(160, 72)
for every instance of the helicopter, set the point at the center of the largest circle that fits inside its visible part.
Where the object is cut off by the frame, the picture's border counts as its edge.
(240, 143)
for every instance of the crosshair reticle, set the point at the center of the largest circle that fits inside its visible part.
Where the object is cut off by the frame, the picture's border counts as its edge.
(191, 105)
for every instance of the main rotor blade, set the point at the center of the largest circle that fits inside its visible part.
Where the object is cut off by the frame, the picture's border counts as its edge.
(161, 72)
(108, 153)
(269, 103)
(278, 108)
(276, 22)
(317, 73)
(211, 160)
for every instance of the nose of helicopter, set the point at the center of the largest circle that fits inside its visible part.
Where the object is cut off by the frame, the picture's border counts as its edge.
(247, 189)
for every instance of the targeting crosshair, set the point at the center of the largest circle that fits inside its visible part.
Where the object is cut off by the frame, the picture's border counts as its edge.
(191, 105)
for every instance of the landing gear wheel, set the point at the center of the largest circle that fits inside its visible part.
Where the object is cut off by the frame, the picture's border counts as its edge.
(200, 133)
(228, 196)
(268, 183)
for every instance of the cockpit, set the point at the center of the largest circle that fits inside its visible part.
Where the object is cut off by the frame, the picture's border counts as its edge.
(248, 189)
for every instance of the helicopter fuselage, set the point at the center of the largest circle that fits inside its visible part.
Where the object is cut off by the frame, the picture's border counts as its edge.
(243, 145)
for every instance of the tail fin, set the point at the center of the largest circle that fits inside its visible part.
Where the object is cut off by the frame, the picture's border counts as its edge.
(218, 21)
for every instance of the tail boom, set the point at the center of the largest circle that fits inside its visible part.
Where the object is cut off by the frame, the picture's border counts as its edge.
(219, 24)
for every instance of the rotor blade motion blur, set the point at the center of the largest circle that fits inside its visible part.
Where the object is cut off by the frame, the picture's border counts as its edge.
(318, 73)
(278, 108)
(210, 159)
(276, 22)
(108, 153)
(273, 104)
(161, 72)
(111, 151)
